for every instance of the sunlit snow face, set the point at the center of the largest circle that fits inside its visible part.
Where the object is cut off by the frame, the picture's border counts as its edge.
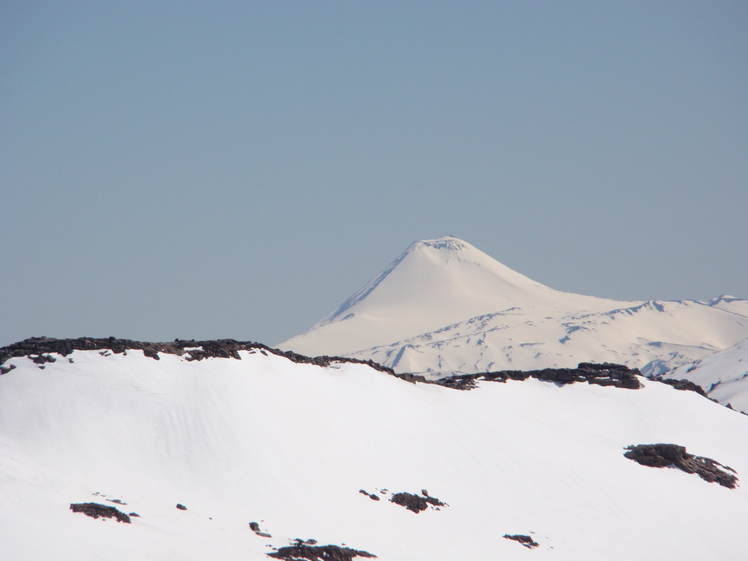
(290, 446)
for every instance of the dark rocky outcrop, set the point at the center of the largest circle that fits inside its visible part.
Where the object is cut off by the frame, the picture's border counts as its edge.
(605, 374)
(181, 506)
(415, 503)
(684, 385)
(40, 349)
(96, 510)
(307, 550)
(673, 455)
(527, 541)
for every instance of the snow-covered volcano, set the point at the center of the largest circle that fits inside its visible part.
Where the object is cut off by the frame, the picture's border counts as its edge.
(300, 450)
(445, 307)
(434, 283)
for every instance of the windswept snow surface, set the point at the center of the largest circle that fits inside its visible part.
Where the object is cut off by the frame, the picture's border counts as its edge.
(444, 307)
(724, 375)
(290, 445)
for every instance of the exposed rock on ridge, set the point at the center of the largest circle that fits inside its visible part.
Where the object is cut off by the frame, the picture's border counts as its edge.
(605, 374)
(40, 349)
(685, 385)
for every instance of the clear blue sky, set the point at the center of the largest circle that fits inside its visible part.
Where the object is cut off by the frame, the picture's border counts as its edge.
(238, 169)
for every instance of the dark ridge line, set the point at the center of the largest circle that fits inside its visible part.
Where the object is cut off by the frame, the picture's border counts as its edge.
(605, 374)
(39, 348)
(685, 385)
(688, 385)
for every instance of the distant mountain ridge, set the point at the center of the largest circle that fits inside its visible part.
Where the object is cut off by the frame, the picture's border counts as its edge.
(444, 307)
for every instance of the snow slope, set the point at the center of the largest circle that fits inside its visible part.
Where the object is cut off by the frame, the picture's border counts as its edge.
(445, 307)
(724, 375)
(290, 445)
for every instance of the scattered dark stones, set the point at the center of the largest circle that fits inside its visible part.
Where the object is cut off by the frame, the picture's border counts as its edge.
(181, 506)
(372, 496)
(302, 550)
(527, 541)
(135, 514)
(605, 374)
(117, 501)
(673, 455)
(415, 503)
(96, 510)
(39, 348)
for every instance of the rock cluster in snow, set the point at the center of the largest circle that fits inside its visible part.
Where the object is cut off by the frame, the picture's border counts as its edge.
(415, 503)
(666, 455)
(308, 550)
(96, 510)
(527, 541)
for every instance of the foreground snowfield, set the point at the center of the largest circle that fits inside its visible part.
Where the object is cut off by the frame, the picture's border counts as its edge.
(289, 446)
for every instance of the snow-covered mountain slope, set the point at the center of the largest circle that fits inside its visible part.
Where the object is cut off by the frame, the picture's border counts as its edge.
(723, 375)
(290, 446)
(444, 307)
(433, 284)
(654, 336)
